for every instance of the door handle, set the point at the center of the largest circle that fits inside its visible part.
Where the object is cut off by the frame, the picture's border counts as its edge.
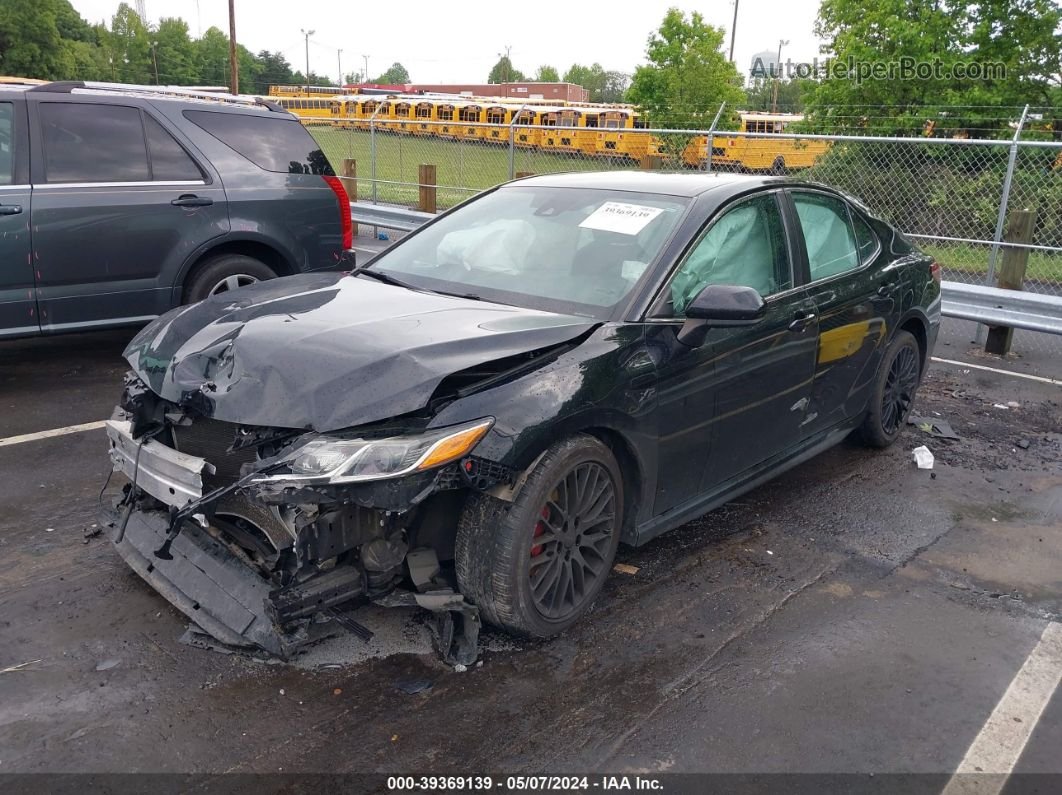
(888, 288)
(802, 321)
(10, 209)
(191, 200)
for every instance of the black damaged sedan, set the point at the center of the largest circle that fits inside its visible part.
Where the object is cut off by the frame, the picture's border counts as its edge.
(475, 420)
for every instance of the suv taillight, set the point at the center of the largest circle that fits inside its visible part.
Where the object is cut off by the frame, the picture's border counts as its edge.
(344, 210)
(934, 271)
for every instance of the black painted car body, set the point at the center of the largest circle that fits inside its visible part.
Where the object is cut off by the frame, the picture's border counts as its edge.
(694, 408)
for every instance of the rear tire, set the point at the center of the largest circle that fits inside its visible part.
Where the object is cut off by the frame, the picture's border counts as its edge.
(224, 273)
(567, 516)
(893, 394)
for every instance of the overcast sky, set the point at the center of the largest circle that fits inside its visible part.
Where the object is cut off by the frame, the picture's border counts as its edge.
(459, 41)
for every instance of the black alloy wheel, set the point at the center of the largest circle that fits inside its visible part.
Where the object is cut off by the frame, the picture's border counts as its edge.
(571, 541)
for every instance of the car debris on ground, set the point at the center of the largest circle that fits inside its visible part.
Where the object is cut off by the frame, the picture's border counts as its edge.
(935, 426)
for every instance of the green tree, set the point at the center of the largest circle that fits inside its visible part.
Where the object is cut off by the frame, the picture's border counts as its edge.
(212, 58)
(687, 77)
(547, 74)
(1024, 36)
(85, 60)
(275, 70)
(503, 72)
(70, 24)
(790, 94)
(175, 53)
(250, 72)
(615, 87)
(395, 76)
(604, 86)
(130, 46)
(592, 78)
(30, 43)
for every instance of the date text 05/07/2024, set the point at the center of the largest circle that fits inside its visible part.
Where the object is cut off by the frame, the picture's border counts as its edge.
(604, 783)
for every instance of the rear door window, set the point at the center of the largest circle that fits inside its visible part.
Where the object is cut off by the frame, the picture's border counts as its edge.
(93, 143)
(169, 161)
(828, 235)
(274, 144)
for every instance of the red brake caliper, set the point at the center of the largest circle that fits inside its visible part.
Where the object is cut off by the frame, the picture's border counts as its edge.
(540, 530)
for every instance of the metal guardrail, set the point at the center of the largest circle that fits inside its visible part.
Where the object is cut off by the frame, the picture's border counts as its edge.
(994, 306)
(387, 216)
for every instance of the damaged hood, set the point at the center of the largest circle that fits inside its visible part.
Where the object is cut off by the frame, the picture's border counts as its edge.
(328, 351)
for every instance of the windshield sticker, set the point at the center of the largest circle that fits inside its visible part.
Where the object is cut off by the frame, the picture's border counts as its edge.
(626, 219)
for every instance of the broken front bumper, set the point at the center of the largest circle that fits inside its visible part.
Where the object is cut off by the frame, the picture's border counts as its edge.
(215, 585)
(230, 601)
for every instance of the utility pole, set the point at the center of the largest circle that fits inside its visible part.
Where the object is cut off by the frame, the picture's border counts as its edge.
(234, 66)
(307, 34)
(155, 60)
(777, 77)
(339, 65)
(365, 74)
(733, 29)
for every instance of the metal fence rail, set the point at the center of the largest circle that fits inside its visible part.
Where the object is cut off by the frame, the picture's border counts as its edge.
(400, 218)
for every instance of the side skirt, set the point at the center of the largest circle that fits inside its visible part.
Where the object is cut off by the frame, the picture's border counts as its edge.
(734, 488)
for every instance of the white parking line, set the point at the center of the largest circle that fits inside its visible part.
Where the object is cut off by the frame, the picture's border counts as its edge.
(1040, 378)
(996, 749)
(32, 437)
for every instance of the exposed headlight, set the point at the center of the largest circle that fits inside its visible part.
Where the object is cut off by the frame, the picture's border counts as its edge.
(326, 459)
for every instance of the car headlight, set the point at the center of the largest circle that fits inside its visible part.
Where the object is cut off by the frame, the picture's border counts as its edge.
(326, 459)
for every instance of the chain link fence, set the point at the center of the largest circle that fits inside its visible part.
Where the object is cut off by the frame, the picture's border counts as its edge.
(955, 197)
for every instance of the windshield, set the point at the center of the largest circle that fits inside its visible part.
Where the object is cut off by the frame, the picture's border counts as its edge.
(568, 250)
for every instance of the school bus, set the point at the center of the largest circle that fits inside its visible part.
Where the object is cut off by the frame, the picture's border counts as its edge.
(775, 155)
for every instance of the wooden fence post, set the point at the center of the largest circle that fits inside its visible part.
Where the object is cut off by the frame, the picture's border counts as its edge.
(1011, 275)
(427, 188)
(651, 162)
(350, 183)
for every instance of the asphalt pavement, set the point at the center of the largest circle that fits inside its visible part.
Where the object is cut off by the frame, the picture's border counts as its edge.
(857, 615)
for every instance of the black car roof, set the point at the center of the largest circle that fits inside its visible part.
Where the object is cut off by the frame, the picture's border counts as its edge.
(687, 185)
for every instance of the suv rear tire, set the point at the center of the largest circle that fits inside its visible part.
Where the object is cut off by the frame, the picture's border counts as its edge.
(223, 273)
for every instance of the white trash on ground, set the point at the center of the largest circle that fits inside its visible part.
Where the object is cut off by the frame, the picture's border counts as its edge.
(923, 457)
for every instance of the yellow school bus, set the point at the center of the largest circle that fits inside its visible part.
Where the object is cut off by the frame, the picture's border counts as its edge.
(314, 108)
(774, 155)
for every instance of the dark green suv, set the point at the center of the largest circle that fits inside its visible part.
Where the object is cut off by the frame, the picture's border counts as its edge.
(119, 204)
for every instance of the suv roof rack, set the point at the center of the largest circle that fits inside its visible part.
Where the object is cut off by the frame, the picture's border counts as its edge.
(221, 95)
(58, 86)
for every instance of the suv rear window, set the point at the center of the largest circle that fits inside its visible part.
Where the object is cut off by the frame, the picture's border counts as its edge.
(280, 145)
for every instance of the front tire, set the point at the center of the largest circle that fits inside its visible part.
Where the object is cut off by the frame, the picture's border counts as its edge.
(894, 390)
(535, 566)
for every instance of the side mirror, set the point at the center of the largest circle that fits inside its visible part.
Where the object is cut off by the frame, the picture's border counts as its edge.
(720, 305)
